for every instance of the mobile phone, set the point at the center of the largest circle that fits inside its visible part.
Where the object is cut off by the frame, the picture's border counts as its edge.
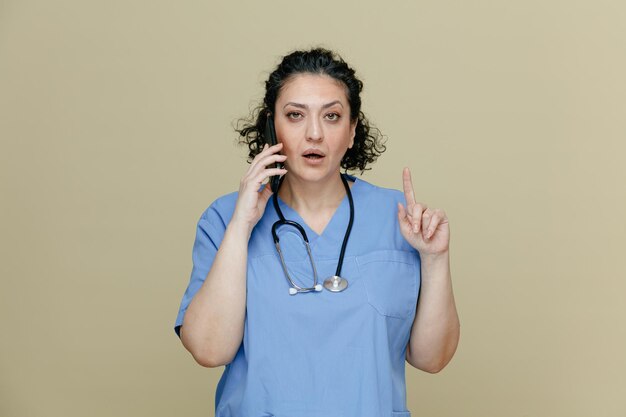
(270, 139)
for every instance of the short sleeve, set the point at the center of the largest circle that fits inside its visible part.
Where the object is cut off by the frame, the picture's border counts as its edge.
(209, 234)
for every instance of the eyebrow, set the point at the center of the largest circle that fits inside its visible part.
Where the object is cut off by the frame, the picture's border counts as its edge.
(304, 106)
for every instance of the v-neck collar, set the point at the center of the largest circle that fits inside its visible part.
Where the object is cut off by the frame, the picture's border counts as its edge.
(335, 228)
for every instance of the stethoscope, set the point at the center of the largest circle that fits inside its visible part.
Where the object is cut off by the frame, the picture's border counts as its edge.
(335, 283)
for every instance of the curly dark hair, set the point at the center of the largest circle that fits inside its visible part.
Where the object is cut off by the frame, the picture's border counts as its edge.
(368, 140)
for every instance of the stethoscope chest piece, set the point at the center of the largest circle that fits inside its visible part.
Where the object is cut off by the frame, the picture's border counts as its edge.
(335, 284)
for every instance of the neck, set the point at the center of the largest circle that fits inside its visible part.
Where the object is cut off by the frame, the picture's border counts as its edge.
(312, 196)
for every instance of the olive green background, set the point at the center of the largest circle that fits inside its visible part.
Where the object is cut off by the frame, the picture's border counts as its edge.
(115, 129)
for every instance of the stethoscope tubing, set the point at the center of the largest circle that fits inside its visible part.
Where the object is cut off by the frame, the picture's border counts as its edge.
(284, 222)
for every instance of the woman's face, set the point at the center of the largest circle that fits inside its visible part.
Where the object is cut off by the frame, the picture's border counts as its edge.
(312, 119)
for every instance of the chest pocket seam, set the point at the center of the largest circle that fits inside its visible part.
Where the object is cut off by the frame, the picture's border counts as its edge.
(397, 298)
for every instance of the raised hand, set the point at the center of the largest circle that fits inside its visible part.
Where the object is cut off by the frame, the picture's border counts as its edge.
(251, 202)
(424, 228)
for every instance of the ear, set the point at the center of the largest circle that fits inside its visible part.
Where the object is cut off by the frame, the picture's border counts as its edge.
(352, 133)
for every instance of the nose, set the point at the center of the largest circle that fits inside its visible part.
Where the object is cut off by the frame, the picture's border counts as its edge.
(314, 130)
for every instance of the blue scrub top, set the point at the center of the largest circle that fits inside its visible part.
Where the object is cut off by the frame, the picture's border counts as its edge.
(320, 353)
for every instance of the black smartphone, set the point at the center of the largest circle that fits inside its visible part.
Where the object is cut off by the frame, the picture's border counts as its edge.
(270, 139)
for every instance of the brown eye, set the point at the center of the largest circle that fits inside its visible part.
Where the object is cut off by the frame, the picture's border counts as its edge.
(294, 115)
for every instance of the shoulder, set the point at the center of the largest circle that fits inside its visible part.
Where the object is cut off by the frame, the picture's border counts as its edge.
(221, 210)
(375, 195)
(376, 225)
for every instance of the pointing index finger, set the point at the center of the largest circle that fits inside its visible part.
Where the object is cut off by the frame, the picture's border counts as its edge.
(407, 184)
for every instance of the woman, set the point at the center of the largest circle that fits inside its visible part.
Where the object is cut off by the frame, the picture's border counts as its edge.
(293, 344)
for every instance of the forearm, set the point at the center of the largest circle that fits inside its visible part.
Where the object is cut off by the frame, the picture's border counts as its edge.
(213, 326)
(435, 331)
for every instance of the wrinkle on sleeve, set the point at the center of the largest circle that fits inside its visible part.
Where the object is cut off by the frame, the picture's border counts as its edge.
(209, 234)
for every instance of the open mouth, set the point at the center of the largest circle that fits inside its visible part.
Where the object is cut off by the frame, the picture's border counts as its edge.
(313, 154)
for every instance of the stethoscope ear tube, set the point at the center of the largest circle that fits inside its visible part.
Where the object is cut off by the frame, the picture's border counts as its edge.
(295, 288)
